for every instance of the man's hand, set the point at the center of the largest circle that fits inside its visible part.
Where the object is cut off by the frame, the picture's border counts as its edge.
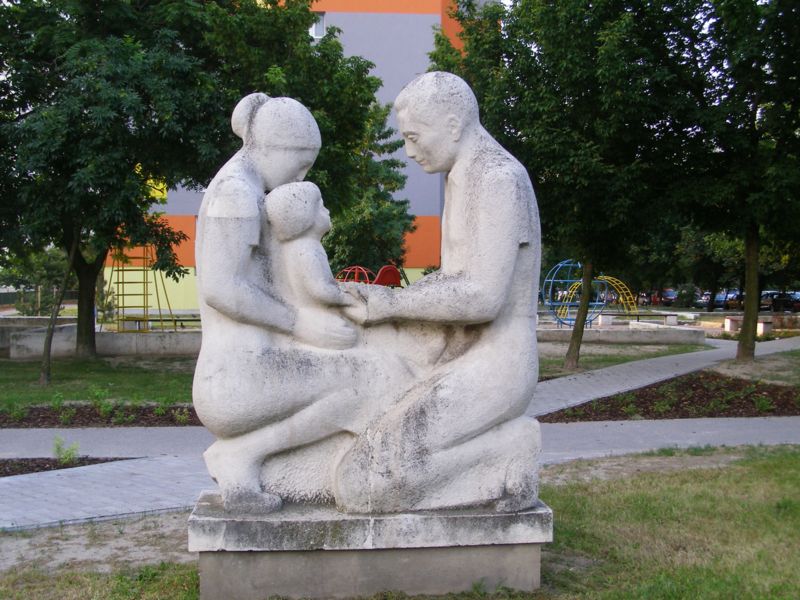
(324, 330)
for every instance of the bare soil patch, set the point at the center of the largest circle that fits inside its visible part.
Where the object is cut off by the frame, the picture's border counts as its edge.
(619, 467)
(99, 547)
(778, 369)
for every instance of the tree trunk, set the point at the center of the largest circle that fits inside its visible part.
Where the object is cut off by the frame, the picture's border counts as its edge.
(745, 351)
(711, 299)
(87, 273)
(574, 351)
(45, 371)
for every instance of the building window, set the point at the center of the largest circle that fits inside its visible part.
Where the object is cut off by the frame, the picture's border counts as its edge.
(317, 30)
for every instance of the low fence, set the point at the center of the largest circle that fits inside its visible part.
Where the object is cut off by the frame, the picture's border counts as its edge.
(15, 324)
(28, 345)
(637, 333)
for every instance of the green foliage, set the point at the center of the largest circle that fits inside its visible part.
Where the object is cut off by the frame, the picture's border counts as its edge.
(583, 94)
(65, 455)
(96, 381)
(638, 119)
(181, 415)
(99, 103)
(371, 230)
(35, 276)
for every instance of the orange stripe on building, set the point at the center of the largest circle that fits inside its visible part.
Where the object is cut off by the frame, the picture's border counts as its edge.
(450, 27)
(423, 245)
(428, 7)
(184, 251)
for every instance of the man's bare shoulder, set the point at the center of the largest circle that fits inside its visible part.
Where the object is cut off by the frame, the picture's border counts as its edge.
(497, 167)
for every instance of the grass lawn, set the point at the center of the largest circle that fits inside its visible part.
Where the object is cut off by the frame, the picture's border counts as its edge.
(723, 532)
(165, 381)
(168, 380)
(550, 367)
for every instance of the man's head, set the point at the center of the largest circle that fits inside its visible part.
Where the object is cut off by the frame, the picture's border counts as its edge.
(435, 112)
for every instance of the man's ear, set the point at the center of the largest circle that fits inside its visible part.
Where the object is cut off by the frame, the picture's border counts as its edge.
(455, 126)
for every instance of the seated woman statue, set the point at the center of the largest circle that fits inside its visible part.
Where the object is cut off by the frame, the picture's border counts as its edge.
(279, 367)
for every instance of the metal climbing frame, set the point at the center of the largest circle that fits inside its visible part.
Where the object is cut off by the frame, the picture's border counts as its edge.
(135, 280)
(626, 297)
(561, 291)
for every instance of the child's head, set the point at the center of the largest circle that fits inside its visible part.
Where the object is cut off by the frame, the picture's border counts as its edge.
(296, 208)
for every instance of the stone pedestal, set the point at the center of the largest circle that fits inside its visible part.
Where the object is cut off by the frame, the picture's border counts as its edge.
(318, 552)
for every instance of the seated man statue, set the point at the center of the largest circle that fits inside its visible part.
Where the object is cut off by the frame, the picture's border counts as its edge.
(459, 437)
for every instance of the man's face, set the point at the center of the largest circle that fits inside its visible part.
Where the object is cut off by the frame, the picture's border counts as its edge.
(429, 144)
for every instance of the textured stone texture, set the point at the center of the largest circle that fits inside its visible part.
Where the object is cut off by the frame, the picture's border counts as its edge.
(380, 400)
(307, 551)
(308, 527)
(363, 573)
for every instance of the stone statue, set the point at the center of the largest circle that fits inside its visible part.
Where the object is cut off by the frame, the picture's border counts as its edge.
(377, 399)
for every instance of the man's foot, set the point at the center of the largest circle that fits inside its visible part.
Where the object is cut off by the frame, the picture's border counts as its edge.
(521, 488)
(250, 501)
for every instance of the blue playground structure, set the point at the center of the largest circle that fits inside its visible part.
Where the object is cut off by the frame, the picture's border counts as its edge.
(561, 293)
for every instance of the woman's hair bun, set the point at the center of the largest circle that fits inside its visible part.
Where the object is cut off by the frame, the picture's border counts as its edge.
(245, 112)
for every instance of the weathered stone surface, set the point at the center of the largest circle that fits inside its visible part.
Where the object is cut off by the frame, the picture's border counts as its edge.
(309, 527)
(307, 551)
(380, 400)
(364, 573)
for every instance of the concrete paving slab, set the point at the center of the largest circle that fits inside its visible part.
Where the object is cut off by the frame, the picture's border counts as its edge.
(173, 474)
(107, 442)
(565, 392)
(98, 492)
(569, 441)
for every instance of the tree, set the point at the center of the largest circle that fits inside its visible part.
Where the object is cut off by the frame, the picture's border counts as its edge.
(35, 276)
(751, 173)
(95, 110)
(584, 94)
(100, 100)
(370, 232)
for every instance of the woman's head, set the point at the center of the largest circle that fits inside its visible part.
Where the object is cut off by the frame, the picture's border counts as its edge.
(280, 137)
(295, 208)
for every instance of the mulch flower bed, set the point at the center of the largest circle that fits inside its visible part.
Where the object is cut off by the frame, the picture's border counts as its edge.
(20, 466)
(103, 415)
(703, 394)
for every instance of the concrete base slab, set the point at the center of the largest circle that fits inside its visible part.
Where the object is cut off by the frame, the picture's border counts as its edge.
(317, 552)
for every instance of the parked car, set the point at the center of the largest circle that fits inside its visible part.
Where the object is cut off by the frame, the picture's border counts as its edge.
(729, 300)
(785, 302)
(668, 297)
(701, 300)
(766, 299)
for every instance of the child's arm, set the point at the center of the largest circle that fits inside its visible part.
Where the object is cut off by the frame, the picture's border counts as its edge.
(313, 273)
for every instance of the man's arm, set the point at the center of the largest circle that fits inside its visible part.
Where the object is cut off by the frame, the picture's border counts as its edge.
(479, 292)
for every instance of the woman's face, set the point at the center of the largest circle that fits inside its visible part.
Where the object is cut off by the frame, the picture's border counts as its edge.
(278, 166)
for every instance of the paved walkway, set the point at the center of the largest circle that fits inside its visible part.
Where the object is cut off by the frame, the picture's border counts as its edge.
(572, 390)
(169, 474)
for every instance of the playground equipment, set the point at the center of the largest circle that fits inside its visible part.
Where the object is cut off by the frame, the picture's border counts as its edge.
(388, 275)
(356, 274)
(135, 283)
(561, 292)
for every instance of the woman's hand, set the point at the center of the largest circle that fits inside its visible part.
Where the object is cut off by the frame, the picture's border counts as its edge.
(324, 330)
